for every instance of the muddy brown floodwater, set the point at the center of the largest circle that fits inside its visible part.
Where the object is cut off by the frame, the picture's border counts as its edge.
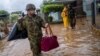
(78, 42)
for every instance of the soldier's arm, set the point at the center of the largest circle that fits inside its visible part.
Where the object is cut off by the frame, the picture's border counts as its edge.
(21, 24)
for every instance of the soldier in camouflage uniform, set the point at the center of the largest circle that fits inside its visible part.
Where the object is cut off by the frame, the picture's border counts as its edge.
(33, 24)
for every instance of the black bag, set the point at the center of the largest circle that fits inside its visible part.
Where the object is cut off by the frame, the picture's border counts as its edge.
(17, 34)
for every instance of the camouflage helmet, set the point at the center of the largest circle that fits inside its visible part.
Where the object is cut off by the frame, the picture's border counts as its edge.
(30, 6)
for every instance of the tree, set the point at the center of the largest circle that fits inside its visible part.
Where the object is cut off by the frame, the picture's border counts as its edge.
(52, 8)
(4, 12)
(14, 17)
(17, 12)
(49, 7)
(4, 16)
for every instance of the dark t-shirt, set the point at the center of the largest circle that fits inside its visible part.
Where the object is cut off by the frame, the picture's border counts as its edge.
(72, 13)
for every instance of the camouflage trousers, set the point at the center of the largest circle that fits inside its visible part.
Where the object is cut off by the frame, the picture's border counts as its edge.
(35, 45)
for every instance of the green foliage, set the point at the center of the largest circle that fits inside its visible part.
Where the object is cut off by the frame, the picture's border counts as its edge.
(17, 12)
(52, 7)
(14, 17)
(4, 15)
(4, 12)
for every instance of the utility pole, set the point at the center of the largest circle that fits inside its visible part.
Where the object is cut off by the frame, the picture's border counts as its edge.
(93, 12)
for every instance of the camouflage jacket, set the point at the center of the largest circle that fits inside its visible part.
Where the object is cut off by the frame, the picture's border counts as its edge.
(33, 25)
